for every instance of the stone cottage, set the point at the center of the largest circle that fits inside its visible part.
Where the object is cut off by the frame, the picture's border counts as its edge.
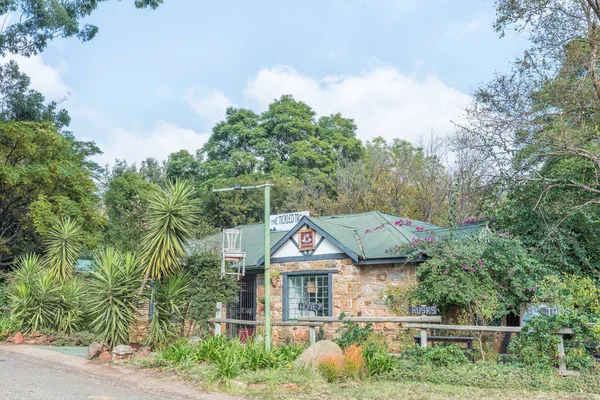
(324, 266)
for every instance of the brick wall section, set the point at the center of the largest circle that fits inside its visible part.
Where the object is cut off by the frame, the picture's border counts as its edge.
(357, 290)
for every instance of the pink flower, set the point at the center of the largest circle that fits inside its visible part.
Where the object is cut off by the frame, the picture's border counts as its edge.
(472, 269)
(484, 295)
(464, 267)
(480, 262)
(419, 228)
(500, 286)
(446, 272)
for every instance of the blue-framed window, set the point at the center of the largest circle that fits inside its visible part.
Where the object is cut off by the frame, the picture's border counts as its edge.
(307, 294)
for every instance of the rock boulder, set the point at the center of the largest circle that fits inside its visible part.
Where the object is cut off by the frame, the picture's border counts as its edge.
(95, 349)
(122, 352)
(18, 339)
(313, 355)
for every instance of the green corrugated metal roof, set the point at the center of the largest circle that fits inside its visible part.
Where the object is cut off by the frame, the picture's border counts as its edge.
(370, 235)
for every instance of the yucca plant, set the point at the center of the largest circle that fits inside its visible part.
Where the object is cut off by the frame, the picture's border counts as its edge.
(169, 297)
(171, 219)
(33, 295)
(112, 291)
(70, 308)
(63, 244)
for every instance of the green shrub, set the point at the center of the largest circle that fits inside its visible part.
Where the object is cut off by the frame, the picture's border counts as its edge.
(287, 353)
(488, 375)
(113, 284)
(7, 327)
(377, 358)
(255, 356)
(351, 333)
(169, 297)
(178, 351)
(228, 361)
(438, 356)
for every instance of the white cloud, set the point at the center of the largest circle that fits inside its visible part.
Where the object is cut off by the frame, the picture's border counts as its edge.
(45, 78)
(459, 30)
(382, 101)
(136, 145)
(210, 105)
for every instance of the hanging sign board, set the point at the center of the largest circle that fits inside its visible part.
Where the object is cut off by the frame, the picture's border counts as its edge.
(285, 222)
(422, 310)
(306, 239)
(534, 310)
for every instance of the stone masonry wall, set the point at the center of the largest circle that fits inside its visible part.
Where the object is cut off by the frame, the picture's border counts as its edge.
(357, 291)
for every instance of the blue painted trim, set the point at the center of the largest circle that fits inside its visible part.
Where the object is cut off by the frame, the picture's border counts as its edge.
(312, 272)
(330, 293)
(285, 299)
(309, 258)
(294, 242)
(307, 221)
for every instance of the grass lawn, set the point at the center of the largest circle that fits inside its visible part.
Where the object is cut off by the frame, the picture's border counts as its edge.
(296, 383)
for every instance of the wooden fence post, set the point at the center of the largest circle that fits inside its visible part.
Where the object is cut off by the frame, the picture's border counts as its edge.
(218, 316)
(562, 365)
(313, 334)
(423, 337)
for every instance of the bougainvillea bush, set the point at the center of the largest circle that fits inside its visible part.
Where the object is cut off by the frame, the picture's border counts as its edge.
(461, 271)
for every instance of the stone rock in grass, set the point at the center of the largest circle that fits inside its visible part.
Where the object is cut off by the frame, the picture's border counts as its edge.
(194, 340)
(122, 352)
(18, 339)
(315, 354)
(95, 349)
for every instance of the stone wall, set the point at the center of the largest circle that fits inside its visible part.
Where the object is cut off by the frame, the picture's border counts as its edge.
(357, 291)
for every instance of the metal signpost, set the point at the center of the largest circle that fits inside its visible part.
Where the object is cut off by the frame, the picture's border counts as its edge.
(267, 187)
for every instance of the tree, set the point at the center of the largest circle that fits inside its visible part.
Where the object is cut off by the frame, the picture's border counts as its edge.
(18, 102)
(183, 166)
(537, 125)
(126, 201)
(207, 287)
(44, 177)
(152, 171)
(29, 25)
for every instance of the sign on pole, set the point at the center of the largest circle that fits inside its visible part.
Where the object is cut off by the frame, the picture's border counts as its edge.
(285, 222)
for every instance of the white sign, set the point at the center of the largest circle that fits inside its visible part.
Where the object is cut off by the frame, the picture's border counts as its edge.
(285, 222)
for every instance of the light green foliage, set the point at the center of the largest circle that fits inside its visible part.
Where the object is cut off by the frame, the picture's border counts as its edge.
(33, 295)
(437, 356)
(71, 305)
(231, 357)
(206, 286)
(112, 291)
(41, 21)
(460, 271)
(171, 223)
(577, 299)
(46, 176)
(126, 200)
(377, 358)
(170, 297)
(352, 333)
(63, 243)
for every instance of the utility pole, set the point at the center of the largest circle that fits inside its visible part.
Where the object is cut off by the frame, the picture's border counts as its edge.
(267, 188)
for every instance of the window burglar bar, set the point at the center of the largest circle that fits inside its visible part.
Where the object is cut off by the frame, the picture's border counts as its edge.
(308, 296)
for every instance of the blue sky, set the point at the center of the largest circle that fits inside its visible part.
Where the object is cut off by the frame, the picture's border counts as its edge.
(152, 82)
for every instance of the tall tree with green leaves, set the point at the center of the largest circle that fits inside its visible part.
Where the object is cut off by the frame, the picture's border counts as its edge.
(45, 176)
(29, 25)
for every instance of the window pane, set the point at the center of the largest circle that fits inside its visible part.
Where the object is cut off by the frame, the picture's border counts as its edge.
(308, 296)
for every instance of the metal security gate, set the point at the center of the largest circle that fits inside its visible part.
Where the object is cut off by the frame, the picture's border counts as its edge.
(244, 308)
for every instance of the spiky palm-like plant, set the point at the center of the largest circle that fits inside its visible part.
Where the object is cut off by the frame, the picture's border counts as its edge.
(33, 295)
(112, 291)
(63, 245)
(71, 305)
(170, 298)
(172, 216)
